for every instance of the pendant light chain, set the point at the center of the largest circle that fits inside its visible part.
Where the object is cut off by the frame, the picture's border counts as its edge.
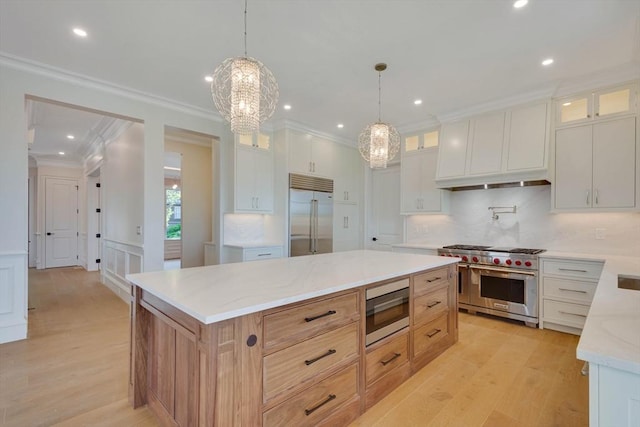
(245, 28)
(379, 96)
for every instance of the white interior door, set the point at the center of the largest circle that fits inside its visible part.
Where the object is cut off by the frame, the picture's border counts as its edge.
(61, 222)
(386, 221)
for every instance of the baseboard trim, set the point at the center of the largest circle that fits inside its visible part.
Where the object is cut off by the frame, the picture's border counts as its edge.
(122, 290)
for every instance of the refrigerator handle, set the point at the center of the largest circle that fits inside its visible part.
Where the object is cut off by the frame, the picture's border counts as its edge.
(311, 225)
(315, 239)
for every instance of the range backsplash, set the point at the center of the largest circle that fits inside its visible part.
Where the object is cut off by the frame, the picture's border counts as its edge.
(531, 226)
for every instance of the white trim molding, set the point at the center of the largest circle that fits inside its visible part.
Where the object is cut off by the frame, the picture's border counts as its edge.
(13, 296)
(120, 259)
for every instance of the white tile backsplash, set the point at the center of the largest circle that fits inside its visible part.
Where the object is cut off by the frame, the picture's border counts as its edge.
(243, 229)
(532, 226)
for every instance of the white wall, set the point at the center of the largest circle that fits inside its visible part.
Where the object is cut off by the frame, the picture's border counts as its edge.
(533, 226)
(17, 80)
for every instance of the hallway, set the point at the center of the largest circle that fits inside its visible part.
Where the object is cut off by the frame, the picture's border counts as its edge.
(73, 369)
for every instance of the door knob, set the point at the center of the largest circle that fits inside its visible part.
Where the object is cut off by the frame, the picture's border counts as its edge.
(50, 234)
(375, 239)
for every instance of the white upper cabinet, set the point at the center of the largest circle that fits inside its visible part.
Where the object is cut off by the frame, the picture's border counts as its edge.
(486, 143)
(527, 136)
(605, 103)
(254, 178)
(496, 147)
(596, 166)
(310, 155)
(452, 154)
(348, 174)
(419, 194)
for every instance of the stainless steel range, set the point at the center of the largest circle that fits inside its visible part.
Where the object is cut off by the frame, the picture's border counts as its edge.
(497, 280)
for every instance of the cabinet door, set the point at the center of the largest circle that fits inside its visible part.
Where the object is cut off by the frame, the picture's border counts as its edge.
(244, 179)
(431, 195)
(411, 183)
(614, 154)
(527, 138)
(322, 157)
(573, 168)
(346, 227)
(487, 139)
(574, 110)
(452, 155)
(347, 174)
(299, 152)
(615, 101)
(263, 175)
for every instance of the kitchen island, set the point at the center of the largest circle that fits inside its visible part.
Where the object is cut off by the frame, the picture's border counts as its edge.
(282, 341)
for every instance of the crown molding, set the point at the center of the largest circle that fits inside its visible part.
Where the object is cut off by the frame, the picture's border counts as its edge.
(289, 124)
(626, 73)
(419, 126)
(41, 69)
(41, 161)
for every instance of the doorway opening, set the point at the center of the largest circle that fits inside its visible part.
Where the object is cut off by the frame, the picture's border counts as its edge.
(173, 211)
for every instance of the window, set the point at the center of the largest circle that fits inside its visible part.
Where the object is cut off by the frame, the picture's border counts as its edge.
(173, 213)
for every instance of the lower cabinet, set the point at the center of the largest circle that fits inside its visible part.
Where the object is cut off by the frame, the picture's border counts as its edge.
(566, 288)
(238, 254)
(614, 397)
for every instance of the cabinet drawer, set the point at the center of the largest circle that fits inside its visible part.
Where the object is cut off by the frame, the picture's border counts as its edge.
(311, 406)
(254, 254)
(386, 357)
(581, 269)
(429, 306)
(569, 289)
(301, 363)
(565, 313)
(303, 321)
(429, 334)
(427, 282)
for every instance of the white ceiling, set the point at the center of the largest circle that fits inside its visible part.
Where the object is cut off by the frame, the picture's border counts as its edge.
(453, 54)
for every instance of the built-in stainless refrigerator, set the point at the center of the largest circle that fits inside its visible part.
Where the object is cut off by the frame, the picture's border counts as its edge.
(310, 215)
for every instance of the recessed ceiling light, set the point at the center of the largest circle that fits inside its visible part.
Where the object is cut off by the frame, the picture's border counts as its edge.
(566, 104)
(287, 107)
(208, 79)
(79, 32)
(547, 62)
(71, 136)
(418, 102)
(340, 125)
(520, 3)
(61, 153)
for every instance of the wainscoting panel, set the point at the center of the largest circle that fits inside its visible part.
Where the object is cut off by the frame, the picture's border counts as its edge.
(120, 259)
(13, 296)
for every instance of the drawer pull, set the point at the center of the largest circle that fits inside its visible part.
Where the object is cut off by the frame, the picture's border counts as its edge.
(434, 333)
(328, 353)
(575, 270)
(573, 314)
(267, 254)
(311, 319)
(435, 279)
(433, 304)
(319, 405)
(394, 357)
(573, 290)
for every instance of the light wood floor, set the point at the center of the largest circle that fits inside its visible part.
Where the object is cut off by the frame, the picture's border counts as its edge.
(73, 369)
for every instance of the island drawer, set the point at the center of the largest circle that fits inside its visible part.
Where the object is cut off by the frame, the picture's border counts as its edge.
(267, 252)
(303, 321)
(386, 357)
(429, 306)
(303, 362)
(571, 268)
(565, 313)
(427, 335)
(427, 282)
(311, 406)
(569, 289)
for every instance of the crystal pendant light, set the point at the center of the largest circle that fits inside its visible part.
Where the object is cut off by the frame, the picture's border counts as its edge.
(379, 142)
(244, 90)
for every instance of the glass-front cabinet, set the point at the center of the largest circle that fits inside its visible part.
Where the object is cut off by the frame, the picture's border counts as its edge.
(257, 140)
(420, 141)
(604, 103)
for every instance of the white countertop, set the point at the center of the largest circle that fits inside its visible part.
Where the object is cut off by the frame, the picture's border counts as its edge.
(611, 334)
(219, 292)
(417, 245)
(252, 245)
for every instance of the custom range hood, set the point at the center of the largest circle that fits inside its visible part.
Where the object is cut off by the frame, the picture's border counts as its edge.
(498, 185)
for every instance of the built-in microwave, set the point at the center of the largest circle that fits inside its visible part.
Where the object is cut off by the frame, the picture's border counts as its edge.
(387, 310)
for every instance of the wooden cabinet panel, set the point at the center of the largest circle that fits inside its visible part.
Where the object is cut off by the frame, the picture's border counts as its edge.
(303, 362)
(162, 351)
(305, 321)
(429, 306)
(384, 358)
(311, 406)
(428, 335)
(427, 282)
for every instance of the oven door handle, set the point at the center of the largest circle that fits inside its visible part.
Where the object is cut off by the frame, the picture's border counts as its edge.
(503, 270)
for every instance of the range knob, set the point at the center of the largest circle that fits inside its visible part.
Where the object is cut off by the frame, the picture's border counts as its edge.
(457, 256)
(527, 263)
(508, 262)
(496, 261)
(464, 258)
(518, 262)
(443, 254)
(475, 259)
